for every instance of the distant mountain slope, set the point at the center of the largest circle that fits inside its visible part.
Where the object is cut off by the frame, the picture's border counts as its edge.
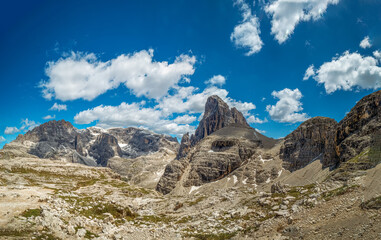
(334, 143)
(92, 146)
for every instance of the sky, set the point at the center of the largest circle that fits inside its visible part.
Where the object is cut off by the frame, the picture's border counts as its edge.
(152, 64)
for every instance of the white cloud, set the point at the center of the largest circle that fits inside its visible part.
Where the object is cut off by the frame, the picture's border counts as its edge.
(286, 14)
(2, 139)
(309, 72)
(84, 76)
(349, 71)
(58, 107)
(260, 131)
(216, 80)
(185, 119)
(134, 114)
(159, 118)
(288, 107)
(365, 43)
(377, 54)
(186, 99)
(254, 119)
(11, 130)
(26, 125)
(48, 117)
(246, 34)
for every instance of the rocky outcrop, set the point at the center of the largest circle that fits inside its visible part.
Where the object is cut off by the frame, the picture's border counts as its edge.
(136, 142)
(50, 139)
(333, 143)
(217, 115)
(312, 140)
(223, 142)
(105, 147)
(185, 146)
(354, 133)
(215, 157)
(92, 146)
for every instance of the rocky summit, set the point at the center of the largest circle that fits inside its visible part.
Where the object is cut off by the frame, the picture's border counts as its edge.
(227, 181)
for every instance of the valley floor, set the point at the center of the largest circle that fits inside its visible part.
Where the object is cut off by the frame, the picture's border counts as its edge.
(44, 199)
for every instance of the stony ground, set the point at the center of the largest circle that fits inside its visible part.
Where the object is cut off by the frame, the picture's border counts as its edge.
(44, 199)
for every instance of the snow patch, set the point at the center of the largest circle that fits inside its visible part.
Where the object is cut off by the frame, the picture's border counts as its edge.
(194, 188)
(158, 175)
(235, 179)
(210, 151)
(264, 160)
(244, 181)
(280, 172)
(268, 180)
(122, 145)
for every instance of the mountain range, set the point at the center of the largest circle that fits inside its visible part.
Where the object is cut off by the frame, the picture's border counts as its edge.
(225, 160)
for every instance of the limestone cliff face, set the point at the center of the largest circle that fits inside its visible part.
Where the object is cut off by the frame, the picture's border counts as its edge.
(354, 133)
(331, 142)
(185, 146)
(50, 138)
(222, 143)
(312, 140)
(105, 147)
(217, 115)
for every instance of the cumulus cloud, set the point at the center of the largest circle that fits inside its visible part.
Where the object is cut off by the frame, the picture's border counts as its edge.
(216, 80)
(2, 139)
(286, 14)
(159, 118)
(349, 71)
(26, 125)
(288, 108)
(58, 107)
(365, 43)
(246, 34)
(11, 130)
(254, 119)
(377, 54)
(134, 114)
(185, 119)
(48, 117)
(84, 76)
(260, 131)
(187, 99)
(309, 72)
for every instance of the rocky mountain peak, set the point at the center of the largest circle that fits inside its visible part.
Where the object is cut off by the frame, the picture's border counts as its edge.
(217, 115)
(49, 130)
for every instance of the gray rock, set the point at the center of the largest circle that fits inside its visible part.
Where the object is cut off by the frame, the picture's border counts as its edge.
(311, 141)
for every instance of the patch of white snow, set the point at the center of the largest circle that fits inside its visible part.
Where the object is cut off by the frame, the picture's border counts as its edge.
(193, 188)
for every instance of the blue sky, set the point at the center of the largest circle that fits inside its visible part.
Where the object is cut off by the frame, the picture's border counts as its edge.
(153, 63)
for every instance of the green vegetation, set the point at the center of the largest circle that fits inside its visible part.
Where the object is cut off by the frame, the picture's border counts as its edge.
(184, 219)
(338, 191)
(374, 203)
(198, 200)
(15, 233)
(99, 210)
(32, 213)
(210, 236)
(156, 219)
(86, 183)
